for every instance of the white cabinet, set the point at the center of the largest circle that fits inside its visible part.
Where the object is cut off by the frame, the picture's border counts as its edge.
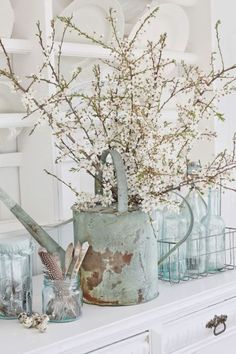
(173, 323)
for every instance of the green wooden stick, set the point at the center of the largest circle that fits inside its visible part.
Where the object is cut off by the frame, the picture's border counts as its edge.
(41, 236)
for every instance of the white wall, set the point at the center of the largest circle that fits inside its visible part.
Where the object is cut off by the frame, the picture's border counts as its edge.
(225, 11)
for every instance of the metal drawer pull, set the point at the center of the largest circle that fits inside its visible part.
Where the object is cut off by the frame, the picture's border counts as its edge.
(217, 321)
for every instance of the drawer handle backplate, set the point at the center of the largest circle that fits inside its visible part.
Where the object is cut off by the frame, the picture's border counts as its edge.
(216, 322)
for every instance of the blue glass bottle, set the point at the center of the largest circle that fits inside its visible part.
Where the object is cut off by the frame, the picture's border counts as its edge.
(215, 226)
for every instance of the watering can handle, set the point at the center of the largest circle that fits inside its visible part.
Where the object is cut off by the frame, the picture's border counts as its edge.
(178, 244)
(120, 176)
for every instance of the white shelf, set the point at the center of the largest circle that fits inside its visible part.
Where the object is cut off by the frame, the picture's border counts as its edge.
(95, 51)
(12, 159)
(15, 120)
(16, 46)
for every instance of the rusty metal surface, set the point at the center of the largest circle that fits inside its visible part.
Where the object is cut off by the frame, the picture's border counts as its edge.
(120, 267)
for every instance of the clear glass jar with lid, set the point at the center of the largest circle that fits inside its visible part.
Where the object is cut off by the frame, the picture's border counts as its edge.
(15, 276)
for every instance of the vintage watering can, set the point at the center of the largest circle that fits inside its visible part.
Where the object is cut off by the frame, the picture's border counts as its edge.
(120, 267)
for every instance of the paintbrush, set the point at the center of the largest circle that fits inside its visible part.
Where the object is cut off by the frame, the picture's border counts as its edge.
(84, 249)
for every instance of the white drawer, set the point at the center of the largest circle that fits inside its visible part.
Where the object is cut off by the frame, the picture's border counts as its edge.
(138, 344)
(191, 328)
(218, 345)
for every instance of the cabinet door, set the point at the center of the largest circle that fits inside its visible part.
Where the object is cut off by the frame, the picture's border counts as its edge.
(136, 345)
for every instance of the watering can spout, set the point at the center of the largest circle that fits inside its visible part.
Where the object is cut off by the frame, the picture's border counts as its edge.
(35, 230)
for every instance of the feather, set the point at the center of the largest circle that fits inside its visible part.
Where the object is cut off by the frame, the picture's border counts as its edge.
(50, 262)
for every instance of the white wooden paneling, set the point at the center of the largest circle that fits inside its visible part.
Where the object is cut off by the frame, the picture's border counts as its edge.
(39, 195)
(17, 46)
(11, 159)
(82, 182)
(227, 106)
(9, 172)
(200, 43)
(37, 192)
(9, 182)
(15, 120)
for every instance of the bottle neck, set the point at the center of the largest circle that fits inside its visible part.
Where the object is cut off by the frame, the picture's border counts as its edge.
(214, 202)
(197, 204)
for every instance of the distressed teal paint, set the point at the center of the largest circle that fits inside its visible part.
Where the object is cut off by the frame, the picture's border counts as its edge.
(121, 265)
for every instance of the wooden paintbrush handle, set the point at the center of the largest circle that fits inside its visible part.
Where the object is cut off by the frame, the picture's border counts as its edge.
(79, 261)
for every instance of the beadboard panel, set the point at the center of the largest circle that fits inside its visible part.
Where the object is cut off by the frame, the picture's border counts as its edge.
(9, 181)
(9, 176)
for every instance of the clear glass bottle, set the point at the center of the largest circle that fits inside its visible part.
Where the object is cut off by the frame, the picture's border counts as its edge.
(174, 228)
(15, 276)
(196, 242)
(215, 226)
(62, 299)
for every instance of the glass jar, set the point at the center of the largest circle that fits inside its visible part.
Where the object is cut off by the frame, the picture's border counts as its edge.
(15, 276)
(62, 299)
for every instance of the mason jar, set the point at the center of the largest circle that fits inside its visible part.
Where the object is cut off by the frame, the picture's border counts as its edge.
(15, 276)
(62, 299)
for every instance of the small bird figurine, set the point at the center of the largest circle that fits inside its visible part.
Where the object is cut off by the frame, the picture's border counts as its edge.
(28, 322)
(36, 320)
(22, 317)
